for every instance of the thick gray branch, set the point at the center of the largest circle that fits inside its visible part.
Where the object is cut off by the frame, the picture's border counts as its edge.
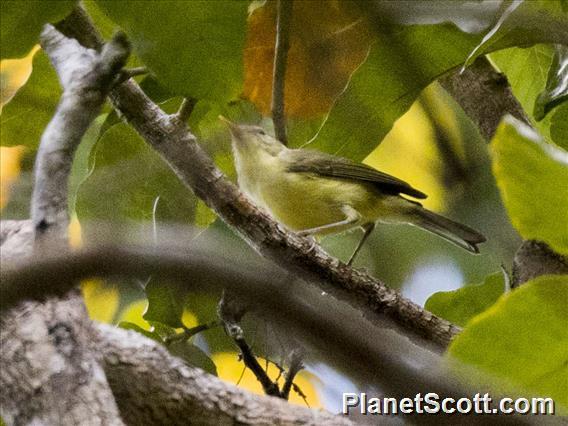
(374, 356)
(49, 374)
(180, 150)
(86, 77)
(154, 388)
(484, 94)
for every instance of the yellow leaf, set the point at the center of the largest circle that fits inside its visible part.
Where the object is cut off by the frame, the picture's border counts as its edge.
(328, 41)
(74, 230)
(10, 159)
(409, 152)
(188, 319)
(133, 313)
(229, 368)
(13, 75)
(101, 299)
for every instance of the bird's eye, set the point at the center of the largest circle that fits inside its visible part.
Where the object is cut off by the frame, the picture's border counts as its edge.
(261, 132)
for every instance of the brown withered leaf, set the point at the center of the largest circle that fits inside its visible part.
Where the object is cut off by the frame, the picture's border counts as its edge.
(329, 39)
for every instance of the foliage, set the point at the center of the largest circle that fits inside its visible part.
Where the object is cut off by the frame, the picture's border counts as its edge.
(533, 179)
(37, 98)
(522, 340)
(212, 68)
(31, 16)
(461, 305)
(556, 90)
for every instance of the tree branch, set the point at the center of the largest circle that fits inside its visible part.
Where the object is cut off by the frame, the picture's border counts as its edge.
(86, 77)
(51, 376)
(180, 150)
(153, 387)
(486, 97)
(484, 94)
(185, 110)
(230, 312)
(535, 258)
(281, 46)
(295, 366)
(354, 339)
(373, 355)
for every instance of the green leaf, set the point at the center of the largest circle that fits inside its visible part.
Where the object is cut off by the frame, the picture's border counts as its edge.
(559, 126)
(384, 87)
(522, 340)
(22, 22)
(193, 356)
(527, 73)
(126, 181)
(193, 47)
(24, 118)
(556, 90)
(533, 179)
(525, 23)
(131, 326)
(459, 306)
(165, 304)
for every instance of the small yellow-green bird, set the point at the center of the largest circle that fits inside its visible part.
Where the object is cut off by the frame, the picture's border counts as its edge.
(314, 193)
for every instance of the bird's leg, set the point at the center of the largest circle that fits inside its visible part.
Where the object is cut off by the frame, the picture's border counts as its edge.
(352, 216)
(367, 228)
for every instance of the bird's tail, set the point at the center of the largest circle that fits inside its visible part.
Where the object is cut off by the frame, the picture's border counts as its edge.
(461, 235)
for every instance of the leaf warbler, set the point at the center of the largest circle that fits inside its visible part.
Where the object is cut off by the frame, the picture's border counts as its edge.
(314, 193)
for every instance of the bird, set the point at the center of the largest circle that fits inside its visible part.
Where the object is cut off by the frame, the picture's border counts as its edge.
(315, 193)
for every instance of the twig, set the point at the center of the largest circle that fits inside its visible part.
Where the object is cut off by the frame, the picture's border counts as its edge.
(455, 171)
(230, 312)
(535, 258)
(179, 148)
(294, 367)
(281, 46)
(188, 333)
(128, 73)
(185, 109)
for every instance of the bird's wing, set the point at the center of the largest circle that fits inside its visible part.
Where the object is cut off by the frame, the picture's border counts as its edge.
(328, 165)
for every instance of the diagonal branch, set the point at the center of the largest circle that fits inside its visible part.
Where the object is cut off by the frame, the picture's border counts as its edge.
(180, 150)
(281, 46)
(86, 77)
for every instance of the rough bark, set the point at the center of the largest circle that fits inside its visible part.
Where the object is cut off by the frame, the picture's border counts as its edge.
(50, 375)
(373, 356)
(181, 151)
(535, 258)
(154, 388)
(484, 94)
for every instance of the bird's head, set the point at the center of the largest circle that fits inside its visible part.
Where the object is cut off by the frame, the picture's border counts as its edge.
(252, 139)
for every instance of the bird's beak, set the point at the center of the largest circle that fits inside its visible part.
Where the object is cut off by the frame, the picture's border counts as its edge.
(233, 127)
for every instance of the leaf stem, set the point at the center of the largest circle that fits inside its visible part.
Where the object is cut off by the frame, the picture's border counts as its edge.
(282, 44)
